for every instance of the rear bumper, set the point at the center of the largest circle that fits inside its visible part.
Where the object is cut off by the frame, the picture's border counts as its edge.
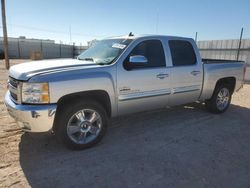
(31, 118)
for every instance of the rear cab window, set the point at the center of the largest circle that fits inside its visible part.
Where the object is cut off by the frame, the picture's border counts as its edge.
(182, 53)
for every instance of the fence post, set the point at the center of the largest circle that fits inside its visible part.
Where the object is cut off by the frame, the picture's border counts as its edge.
(196, 35)
(238, 52)
(19, 51)
(60, 49)
(42, 49)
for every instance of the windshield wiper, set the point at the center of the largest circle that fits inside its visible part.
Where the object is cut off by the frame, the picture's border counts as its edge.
(101, 63)
(106, 62)
(87, 59)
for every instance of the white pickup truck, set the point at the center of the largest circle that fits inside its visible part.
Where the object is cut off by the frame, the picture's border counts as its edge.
(75, 98)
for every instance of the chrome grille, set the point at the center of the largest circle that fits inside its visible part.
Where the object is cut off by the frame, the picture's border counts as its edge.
(14, 96)
(14, 88)
(13, 82)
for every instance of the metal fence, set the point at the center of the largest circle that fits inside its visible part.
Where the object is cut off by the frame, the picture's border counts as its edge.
(225, 49)
(22, 49)
(215, 49)
(79, 49)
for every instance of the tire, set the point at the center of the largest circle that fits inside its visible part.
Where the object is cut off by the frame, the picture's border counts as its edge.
(77, 117)
(215, 104)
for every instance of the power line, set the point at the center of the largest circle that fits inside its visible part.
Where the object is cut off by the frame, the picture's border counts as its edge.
(53, 31)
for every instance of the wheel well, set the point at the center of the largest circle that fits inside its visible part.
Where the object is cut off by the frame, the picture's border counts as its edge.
(99, 96)
(231, 81)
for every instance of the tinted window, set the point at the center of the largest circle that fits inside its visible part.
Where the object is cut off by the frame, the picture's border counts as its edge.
(152, 50)
(182, 53)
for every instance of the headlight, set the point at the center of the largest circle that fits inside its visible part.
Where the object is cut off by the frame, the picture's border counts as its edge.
(35, 93)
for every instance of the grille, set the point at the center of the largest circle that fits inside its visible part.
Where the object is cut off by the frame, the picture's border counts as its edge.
(13, 82)
(14, 96)
(14, 89)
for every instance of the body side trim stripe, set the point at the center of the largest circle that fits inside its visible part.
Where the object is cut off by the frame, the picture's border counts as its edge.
(141, 95)
(177, 92)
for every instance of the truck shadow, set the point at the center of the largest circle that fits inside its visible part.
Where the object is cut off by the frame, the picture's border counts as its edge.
(165, 147)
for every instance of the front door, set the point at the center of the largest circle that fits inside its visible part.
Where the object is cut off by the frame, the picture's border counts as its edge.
(146, 86)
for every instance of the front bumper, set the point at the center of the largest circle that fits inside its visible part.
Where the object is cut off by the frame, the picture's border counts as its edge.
(31, 118)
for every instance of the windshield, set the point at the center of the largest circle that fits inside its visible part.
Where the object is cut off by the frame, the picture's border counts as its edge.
(105, 51)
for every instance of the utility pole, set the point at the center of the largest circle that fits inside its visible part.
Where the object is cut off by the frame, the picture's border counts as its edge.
(5, 36)
(238, 52)
(157, 23)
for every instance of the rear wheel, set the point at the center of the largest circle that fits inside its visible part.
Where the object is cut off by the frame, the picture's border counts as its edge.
(81, 125)
(220, 100)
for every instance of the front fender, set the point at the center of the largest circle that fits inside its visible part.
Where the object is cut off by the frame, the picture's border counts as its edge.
(92, 82)
(70, 82)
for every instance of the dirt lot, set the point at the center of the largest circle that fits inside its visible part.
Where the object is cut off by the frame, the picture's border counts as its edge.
(180, 147)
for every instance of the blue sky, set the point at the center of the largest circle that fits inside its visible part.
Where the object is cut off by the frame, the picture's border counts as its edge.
(89, 19)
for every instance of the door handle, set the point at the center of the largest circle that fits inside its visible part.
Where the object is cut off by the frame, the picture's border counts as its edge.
(161, 76)
(195, 72)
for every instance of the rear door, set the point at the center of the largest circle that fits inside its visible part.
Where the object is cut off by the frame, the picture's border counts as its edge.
(186, 72)
(141, 88)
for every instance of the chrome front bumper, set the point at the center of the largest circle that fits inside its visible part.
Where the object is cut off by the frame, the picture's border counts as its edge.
(31, 118)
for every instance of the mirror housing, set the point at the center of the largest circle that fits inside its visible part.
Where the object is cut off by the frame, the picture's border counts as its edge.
(138, 59)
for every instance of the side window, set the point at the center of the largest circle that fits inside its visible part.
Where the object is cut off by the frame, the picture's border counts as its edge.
(152, 50)
(182, 53)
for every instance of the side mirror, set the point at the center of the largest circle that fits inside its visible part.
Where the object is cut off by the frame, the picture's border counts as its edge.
(138, 59)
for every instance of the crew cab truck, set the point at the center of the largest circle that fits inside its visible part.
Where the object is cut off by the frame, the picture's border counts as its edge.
(76, 98)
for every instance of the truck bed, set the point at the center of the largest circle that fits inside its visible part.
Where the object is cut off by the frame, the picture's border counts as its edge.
(210, 61)
(215, 69)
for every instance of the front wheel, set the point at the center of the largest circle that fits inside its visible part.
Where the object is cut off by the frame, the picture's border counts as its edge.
(220, 100)
(81, 125)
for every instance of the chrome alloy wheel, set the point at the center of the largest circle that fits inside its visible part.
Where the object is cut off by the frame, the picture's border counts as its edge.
(84, 126)
(222, 100)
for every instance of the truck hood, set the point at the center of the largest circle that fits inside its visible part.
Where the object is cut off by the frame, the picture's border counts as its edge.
(24, 71)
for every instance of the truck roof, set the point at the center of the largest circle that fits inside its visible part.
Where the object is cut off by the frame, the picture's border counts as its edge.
(148, 36)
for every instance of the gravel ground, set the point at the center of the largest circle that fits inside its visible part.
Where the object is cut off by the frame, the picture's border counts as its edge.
(183, 146)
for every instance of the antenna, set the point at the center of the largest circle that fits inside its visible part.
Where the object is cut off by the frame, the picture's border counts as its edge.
(70, 37)
(130, 34)
(157, 23)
